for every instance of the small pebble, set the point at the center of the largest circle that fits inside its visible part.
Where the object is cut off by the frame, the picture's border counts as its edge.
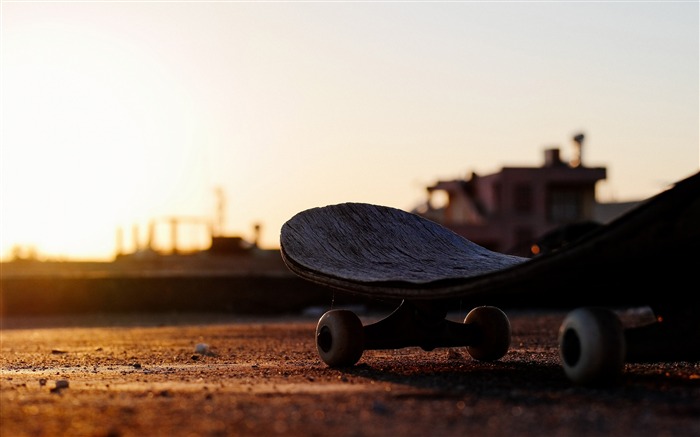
(202, 349)
(61, 384)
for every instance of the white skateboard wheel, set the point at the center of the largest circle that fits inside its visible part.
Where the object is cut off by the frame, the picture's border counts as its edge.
(592, 346)
(493, 339)
(340, 338)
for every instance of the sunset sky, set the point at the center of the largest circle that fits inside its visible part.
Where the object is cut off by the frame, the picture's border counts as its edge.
(117, 113)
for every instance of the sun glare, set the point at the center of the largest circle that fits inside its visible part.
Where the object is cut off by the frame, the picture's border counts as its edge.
(84, 143)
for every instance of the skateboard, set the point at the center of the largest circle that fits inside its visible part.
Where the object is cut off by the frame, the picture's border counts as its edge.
(645, 258)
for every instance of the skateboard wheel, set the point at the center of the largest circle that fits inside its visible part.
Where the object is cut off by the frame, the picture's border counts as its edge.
(340, 338)
(493, 338)
(592, 346)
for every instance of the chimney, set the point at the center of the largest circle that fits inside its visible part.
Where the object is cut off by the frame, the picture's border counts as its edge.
(551, 158)
(577, 160)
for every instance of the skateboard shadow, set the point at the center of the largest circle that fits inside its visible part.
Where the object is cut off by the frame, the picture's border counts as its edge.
(456, 378)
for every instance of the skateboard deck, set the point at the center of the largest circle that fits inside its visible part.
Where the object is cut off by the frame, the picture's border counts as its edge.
(645, 257)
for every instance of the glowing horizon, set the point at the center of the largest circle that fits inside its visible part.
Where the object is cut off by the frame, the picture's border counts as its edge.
(116, 114)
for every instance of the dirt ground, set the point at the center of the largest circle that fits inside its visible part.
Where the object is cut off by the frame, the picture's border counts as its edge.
(225, 375)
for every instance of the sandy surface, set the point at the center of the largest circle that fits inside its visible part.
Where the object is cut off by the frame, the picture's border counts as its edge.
(143, 376)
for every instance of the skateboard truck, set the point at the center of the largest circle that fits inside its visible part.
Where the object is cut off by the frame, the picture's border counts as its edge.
(341, 338)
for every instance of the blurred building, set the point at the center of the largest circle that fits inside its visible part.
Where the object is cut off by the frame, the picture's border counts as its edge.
(524, 210)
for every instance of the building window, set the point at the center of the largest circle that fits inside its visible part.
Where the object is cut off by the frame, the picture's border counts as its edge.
(523, 198)
(565, 205)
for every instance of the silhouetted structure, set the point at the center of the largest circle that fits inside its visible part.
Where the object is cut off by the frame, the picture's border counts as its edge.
(507, 211)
